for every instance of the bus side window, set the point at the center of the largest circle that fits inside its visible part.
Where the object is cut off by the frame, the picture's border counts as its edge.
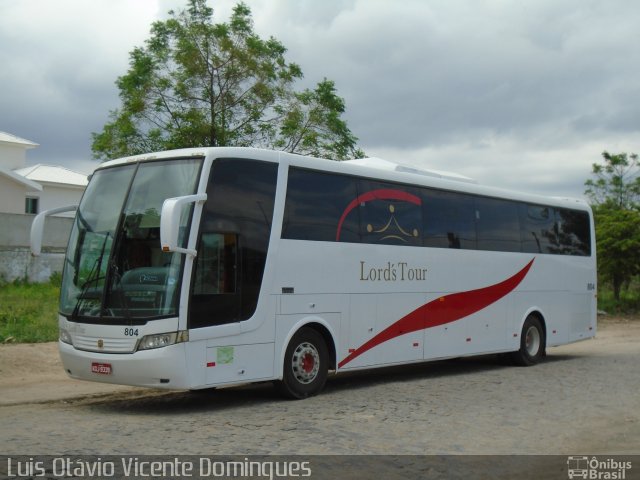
(449, 220)
(538, 229)
(315, 207)
(216, 269)
(498, 225)
(573, 232)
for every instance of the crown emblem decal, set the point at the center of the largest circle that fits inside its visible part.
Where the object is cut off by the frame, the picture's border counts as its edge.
(392, 229)
(397, 233)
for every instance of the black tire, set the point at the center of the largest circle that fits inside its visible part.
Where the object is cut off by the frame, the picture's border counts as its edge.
(532, 343)
(305, 366)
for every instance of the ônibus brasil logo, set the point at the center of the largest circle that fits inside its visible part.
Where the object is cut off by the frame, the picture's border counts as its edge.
(597, 468)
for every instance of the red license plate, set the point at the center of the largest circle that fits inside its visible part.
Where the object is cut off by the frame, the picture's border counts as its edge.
(101, 368)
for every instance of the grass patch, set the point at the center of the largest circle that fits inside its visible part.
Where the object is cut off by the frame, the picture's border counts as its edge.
(29, 311)
(629, 302)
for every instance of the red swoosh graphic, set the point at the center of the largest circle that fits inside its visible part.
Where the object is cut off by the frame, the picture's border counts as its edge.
(443, 310)
(381, 194)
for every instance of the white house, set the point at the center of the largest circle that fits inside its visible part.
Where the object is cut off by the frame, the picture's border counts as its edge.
(13, 186)
(25, 191)
(33, 189)
(60, 187)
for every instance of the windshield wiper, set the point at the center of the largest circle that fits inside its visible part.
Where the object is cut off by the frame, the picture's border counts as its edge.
(93, 278)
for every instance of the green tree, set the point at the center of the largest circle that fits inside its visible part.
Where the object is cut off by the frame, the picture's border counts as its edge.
(618, 244)
(615, 196)
(616, 183)
(198, 83)
(312, 125)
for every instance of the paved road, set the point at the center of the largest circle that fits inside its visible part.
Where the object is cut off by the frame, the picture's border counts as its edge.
(582, 400)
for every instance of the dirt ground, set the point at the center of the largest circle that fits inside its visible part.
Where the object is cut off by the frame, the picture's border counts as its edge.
(33, 373)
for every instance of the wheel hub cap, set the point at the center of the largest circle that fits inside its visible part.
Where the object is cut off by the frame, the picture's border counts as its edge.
(532, 341)
(306, 363)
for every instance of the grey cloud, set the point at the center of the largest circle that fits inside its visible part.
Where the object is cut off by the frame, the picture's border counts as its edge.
(478, 80)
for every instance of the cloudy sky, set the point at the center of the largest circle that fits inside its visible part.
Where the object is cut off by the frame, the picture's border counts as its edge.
(519, 94)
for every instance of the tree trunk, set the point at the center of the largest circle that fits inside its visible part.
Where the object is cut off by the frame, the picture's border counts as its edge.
(617, 286)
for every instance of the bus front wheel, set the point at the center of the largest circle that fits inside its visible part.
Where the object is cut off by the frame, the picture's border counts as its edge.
(305, 365)
(532, 343)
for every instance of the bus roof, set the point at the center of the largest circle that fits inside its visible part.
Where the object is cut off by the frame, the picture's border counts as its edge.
(374, 168)
(382, 164)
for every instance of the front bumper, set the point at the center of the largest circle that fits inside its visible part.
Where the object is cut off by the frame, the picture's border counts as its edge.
(158, 368)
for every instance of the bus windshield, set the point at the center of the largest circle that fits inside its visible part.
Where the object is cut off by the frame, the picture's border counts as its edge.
(115, 270)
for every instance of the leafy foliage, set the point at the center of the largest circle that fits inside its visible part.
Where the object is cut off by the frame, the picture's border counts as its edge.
(615, 194)
(198, 83)
(312, 125)
(617, 182)
(618, 243)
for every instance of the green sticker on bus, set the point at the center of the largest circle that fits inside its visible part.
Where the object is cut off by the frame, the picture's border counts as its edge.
(224, 355)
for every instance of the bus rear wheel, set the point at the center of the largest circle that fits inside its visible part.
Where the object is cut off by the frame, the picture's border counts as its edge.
(305, 366)
(532, 343)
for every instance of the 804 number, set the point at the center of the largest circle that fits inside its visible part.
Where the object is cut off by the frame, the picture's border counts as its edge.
(130, 332)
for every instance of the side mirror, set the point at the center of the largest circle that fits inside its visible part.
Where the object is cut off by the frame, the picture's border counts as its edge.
(170, 222)
(37, 227)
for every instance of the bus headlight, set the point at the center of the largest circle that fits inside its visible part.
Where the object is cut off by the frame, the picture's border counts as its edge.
(160, 340)
(65, 337)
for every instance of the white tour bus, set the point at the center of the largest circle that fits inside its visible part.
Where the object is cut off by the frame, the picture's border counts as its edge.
(209, 267)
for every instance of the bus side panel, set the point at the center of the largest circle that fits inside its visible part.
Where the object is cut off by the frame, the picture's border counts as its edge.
(485, 329)
(481, 332)
(408, 346)
(373, 314)
(359, 329)
(583, 306)
(196, 352)
(231, 364)
(445, 340)
(582, 325)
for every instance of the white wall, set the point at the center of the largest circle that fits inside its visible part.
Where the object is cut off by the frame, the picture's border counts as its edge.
(53, 196)
(12, 196)
(15, 257)
(12, 156)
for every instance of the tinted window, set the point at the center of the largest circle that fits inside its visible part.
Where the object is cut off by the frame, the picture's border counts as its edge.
(321, 206)
(538, 229)
(389, 214)
(234, 238)
(216, 264)
(498, 225)
(573, 231)
(330, 207)
(449, 220)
